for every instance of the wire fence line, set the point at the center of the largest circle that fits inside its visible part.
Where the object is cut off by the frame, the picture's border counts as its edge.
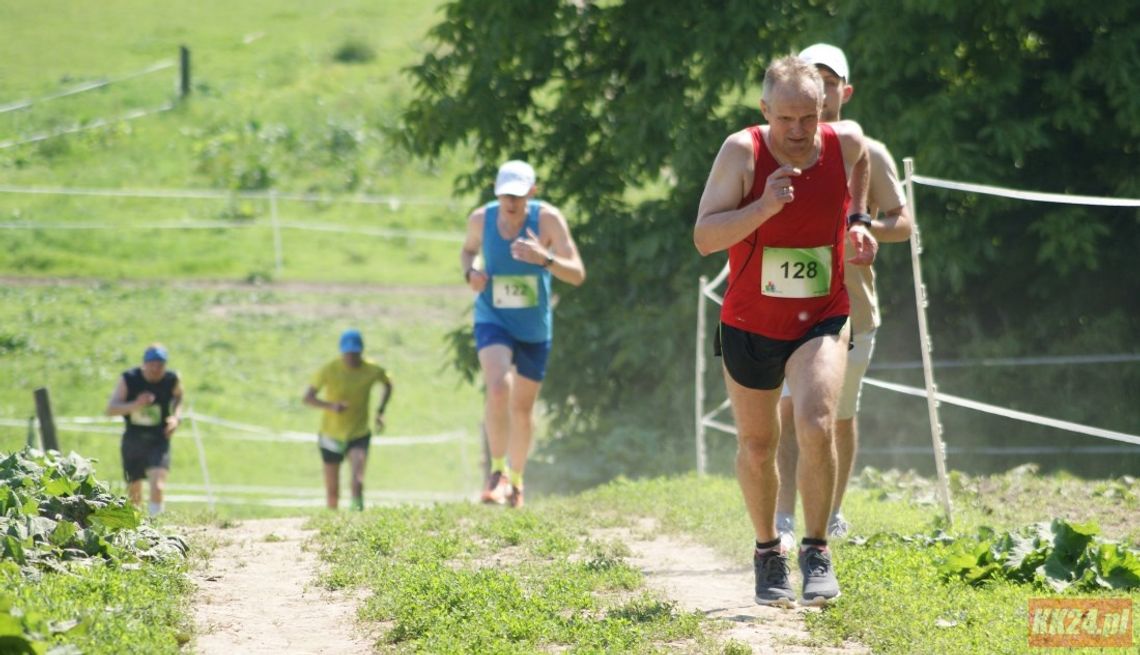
(80, 127)
(86, 86)
(238, 431)
(392, 201)
(190, 224)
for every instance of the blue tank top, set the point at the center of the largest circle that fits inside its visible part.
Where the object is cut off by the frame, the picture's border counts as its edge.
(517, 295)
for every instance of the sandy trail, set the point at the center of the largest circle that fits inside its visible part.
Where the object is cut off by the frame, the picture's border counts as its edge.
(256, 596)
(700, 580)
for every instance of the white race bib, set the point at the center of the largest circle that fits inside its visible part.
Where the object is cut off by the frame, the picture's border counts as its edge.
(147, 416)
(514, 291)
(796, 272)
(332, 445)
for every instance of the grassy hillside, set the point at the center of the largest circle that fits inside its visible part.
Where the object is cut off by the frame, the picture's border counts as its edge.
(287, 96)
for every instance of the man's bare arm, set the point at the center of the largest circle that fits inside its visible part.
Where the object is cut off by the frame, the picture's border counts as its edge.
(720, 224)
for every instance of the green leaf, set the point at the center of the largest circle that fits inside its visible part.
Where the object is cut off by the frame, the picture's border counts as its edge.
(113, 518)
(1118, 568)
(63, 533)
(59, 486)
(14, 550)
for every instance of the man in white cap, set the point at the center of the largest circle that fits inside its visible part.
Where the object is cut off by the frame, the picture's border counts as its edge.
(524, 242)
(889, 221)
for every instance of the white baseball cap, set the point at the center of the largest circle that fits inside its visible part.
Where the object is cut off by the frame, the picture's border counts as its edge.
(822, 54)
(516, 178)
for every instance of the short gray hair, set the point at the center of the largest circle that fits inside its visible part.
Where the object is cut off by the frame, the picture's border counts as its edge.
(790, 70)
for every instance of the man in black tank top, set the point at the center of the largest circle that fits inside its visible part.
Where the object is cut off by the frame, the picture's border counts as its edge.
(149, 398)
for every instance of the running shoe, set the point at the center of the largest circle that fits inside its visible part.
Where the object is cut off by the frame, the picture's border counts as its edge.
(837, 526)
(773, 587)
(515, 496)
(786, 527)
(497, 489)
(820, 585)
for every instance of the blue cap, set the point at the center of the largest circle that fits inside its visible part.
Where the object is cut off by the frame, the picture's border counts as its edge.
(155, 354)
(351, 341)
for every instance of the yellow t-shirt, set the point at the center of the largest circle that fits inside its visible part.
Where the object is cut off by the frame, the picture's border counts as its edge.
(353, 386)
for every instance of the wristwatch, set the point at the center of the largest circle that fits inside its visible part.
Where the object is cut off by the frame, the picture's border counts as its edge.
(549, 261)
(865, 219)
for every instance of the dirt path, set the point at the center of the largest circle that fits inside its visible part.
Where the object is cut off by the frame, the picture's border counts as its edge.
(256, 596)
(700, 580)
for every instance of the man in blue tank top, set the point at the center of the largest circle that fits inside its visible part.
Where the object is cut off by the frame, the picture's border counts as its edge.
(523, 242)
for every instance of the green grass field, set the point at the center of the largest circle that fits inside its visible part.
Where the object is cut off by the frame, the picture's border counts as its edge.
(245, 354)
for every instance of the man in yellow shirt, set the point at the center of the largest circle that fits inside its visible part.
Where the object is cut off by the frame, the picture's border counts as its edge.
(347, 384)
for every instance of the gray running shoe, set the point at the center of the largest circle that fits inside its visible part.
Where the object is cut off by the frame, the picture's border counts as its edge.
(820, 585)
(837, 526)
(786, 528)
(773, 587)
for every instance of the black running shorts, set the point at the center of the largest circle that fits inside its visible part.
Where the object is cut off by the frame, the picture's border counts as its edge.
(329, 456)
(758, 362)
(141, 452)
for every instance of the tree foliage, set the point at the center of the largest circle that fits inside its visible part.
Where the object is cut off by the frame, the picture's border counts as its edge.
(621, 106)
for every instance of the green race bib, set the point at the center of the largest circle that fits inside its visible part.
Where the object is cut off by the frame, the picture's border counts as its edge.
(514, 291)
(796, 272)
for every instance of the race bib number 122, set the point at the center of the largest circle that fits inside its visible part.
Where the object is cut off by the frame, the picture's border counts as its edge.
(514, 291)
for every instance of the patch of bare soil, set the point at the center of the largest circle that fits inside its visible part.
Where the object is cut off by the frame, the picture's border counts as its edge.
(699, 580)
(257, 595)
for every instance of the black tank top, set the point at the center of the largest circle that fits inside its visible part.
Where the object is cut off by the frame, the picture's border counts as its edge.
(150, 420)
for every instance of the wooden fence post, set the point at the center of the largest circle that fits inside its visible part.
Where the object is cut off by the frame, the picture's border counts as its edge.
(184, 71)
(47, 423)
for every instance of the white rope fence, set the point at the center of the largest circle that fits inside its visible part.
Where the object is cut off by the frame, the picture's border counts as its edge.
(1008, 413)
(238, 431)
(228, 494)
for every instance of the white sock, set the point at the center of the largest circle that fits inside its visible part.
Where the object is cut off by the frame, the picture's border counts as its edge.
(155, 508)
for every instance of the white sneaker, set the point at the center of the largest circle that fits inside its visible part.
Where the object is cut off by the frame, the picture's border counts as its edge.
(837, 526)
(786, 528)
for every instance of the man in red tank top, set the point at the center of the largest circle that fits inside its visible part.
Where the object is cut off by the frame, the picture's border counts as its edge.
(778, 199)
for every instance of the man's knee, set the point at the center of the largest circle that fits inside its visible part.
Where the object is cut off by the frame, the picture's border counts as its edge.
(757, 451)
(814, 429)
(499, 389)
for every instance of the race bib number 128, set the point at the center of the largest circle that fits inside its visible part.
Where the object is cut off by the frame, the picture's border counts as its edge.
(796, 272)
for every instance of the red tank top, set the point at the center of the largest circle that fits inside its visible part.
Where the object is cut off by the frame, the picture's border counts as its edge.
(817, 217)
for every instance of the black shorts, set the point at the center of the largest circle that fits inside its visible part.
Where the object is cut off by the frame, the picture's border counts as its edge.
(758, 362)
(141, 452)
(329, 456)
